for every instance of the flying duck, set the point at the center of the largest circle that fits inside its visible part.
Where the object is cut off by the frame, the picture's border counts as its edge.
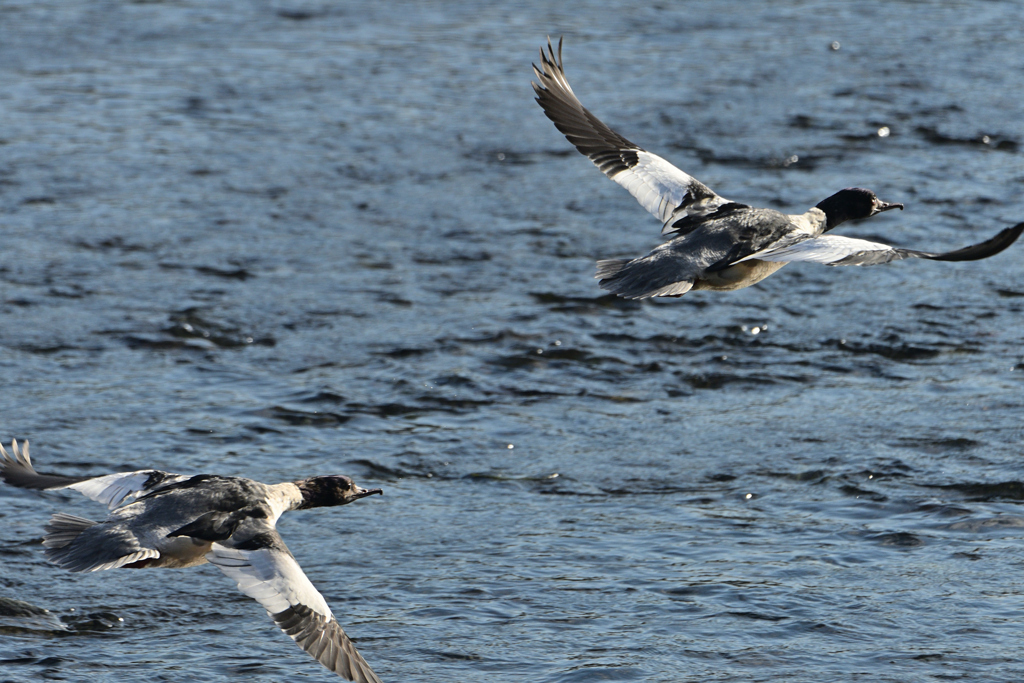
(714, 243)
(160, 519)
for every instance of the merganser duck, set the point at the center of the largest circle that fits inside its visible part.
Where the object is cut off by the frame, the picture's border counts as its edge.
(160, 519)
(715, 243)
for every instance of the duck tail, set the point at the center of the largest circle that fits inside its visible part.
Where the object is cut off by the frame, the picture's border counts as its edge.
(610, 267)
(63, 529)
(643, 278)
(110, 548)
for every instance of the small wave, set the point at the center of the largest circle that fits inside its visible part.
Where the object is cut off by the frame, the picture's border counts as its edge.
(17, 615)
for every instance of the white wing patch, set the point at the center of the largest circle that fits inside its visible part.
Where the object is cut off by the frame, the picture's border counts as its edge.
(113, 489)
(271, 577)
(827, 249)
(659, 186)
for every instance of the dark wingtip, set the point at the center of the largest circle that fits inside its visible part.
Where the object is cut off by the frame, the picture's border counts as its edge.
(985, 249)
(551, 57)
(546, 60)
(16, 469)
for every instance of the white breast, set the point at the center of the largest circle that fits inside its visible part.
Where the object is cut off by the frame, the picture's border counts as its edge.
(737, 276)
(281, 498)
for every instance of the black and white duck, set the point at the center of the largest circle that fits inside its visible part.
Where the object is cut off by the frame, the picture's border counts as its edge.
(160, 519)
(714, 243)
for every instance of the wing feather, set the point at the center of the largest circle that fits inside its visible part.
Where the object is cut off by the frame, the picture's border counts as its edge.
(835, 250)
(109, 489)
(831, 249)
(667, 192)
(265, 570)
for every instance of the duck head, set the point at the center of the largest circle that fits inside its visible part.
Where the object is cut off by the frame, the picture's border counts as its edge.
(332, 490)
(851, 204)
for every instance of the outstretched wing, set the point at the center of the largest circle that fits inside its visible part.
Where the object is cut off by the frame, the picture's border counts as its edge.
(835, 250)
(264, 569)
(677, 199)
(109, 489)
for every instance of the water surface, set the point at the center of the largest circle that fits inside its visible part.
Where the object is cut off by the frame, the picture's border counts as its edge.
(277, 239)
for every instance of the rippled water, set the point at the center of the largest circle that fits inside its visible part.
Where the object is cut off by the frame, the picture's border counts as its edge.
(275, 239)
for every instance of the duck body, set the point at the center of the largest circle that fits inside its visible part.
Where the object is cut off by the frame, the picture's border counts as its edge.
(703, 256)
(163, 520)
(178, 520)
(714, 243)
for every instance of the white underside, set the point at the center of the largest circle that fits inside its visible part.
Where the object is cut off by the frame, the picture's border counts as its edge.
(737, 276)
(180, 552)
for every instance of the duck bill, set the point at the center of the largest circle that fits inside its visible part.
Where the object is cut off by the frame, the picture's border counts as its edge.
(881, 206)
(363, 493)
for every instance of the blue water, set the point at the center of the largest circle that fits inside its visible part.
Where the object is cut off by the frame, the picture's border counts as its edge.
(276, 239)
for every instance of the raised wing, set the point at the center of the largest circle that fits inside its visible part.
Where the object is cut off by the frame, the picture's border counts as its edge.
(264, 569)
(109, 489)
(835, 250)
(661, 188)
